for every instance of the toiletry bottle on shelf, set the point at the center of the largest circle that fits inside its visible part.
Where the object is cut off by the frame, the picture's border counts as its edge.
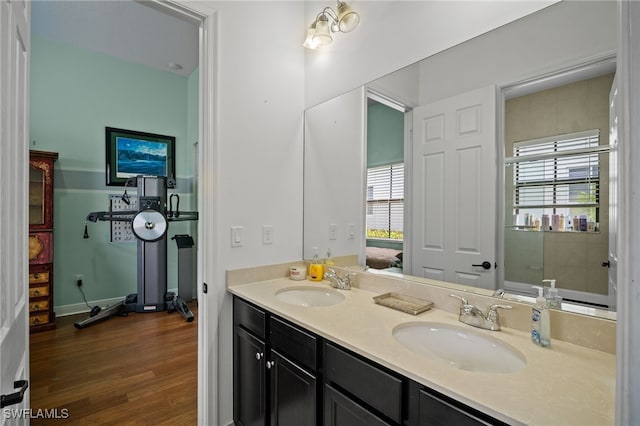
(545, 222)
(316, 269)
(553, 298)
(540, 320)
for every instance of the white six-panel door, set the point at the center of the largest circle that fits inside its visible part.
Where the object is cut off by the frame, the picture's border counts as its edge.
(14, 157)
(454, 195)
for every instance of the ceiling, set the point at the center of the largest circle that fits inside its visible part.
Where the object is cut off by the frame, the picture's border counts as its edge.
(125, 29)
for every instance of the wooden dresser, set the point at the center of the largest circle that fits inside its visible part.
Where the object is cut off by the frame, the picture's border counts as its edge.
(41, 315)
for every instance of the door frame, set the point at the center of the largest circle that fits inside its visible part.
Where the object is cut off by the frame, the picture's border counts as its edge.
(206, 16)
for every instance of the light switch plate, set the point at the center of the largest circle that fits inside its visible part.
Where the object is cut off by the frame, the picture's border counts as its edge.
(236, 236)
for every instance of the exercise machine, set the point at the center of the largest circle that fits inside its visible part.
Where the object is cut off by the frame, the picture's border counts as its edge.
(149, 224)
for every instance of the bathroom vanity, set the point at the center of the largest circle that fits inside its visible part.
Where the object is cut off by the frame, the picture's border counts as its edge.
(340, 364)
(289, 375)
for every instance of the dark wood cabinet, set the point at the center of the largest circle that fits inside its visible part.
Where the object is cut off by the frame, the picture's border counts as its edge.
(340, 410)
(293, 393)
(41, 314)
(274, 370)
(249, 401)
(430, 408)
(287, 376)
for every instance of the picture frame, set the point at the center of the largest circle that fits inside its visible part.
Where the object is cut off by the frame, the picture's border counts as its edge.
(130, 153)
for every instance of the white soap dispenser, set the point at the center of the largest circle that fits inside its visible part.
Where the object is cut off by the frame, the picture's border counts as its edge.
(553, 299)
(540, 320)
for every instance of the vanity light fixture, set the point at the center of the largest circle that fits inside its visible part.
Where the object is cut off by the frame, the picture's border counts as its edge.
(329, 21)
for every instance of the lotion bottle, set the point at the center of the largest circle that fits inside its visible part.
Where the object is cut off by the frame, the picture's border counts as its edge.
(553, 298)
(540, 320)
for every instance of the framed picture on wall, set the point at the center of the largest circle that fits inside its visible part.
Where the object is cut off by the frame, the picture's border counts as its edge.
(131, 153)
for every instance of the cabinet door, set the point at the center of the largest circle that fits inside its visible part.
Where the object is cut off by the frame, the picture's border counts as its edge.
(249, 384)
(437, 411)
(342, 411)
(293, 393)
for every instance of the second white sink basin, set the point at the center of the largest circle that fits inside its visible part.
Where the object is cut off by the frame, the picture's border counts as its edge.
(310, 296)
(460, 347)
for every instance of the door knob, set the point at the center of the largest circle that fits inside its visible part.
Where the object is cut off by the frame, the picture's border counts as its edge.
(606, 264)
(484, 265)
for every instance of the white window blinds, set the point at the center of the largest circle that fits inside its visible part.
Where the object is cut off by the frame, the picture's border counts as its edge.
(557, 173)
(385, 202)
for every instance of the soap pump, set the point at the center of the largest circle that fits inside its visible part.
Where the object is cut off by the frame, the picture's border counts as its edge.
(553, 299)
(316, 269)
(540, 320)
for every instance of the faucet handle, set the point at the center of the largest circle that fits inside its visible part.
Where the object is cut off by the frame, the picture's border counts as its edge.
(492, 313)
(462, 299)
(498, 306)
(328, 272)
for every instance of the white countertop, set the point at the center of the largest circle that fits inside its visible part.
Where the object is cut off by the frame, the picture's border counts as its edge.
(564, 385)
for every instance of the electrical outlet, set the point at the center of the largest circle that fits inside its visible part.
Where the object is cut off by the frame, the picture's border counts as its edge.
(267, 234)
(79, 278)
(333, 231)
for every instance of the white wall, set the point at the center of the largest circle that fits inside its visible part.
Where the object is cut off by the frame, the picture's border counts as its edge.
(392, 35)
(574, 31)
(255, 176)
(260, 144)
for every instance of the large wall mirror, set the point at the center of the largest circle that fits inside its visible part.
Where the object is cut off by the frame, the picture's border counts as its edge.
(485, 165)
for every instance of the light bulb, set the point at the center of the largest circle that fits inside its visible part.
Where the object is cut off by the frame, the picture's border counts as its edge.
(348, 20)
(322, 36)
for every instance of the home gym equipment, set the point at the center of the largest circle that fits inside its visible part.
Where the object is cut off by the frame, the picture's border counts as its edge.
(149, 224)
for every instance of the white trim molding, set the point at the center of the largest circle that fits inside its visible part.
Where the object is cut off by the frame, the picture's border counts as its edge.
(628, 326)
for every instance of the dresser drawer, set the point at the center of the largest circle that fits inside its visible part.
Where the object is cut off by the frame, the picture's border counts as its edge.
(39, 291)
(42, 305)
(39, 277)
(39, 319)
(364, 381)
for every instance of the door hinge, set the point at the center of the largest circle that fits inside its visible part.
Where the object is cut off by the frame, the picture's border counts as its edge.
(205, 288)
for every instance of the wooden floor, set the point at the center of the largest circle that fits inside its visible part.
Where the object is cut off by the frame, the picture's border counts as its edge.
(140, 369)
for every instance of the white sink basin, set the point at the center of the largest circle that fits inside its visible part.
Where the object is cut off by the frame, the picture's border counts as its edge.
(310, 296)
(460, 347)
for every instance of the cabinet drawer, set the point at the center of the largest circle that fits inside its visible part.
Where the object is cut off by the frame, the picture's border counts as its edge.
(364, 381)
(437, 410)
(249, 317)
(299, 345)
(342, 411)
(39, 319)
(39, 277)
(39, 291)
(42, 305)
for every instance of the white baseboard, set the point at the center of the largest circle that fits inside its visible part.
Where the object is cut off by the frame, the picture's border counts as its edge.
(82, 308)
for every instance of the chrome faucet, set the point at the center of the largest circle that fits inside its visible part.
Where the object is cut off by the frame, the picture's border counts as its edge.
(343, 283)
(472, 315)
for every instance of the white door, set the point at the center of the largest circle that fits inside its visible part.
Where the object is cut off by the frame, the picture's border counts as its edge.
(613, 195)
(454, 189)
(14, 228)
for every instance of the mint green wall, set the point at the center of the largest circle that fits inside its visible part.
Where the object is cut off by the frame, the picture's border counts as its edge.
(75, 94)
(385, 135)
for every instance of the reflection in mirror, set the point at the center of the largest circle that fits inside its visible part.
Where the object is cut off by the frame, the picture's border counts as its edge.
(557, 188)
(501, 61)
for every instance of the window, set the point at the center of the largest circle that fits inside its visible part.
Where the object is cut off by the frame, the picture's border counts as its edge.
(385, 202)
(557, 176)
